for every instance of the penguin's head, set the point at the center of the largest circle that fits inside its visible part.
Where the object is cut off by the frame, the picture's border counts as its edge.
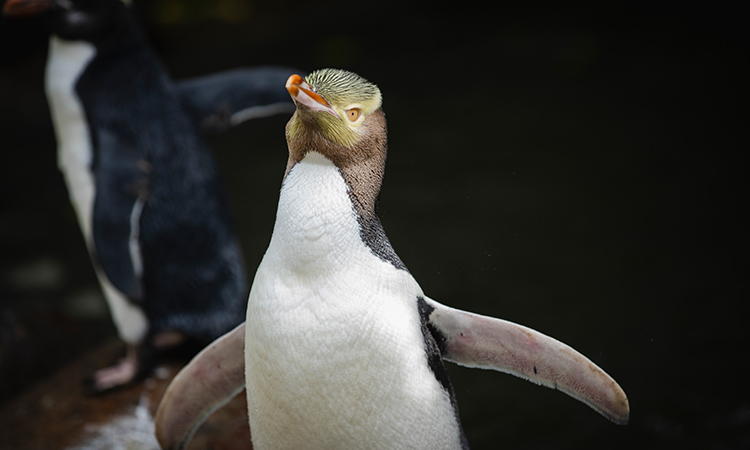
(339, 115)
(87, 20)
(339, 106)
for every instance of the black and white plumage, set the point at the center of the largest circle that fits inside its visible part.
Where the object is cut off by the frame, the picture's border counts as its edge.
(143, 182)
(342, 348)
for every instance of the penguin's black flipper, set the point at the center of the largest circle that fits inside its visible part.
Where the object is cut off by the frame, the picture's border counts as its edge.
(225, 99)
(121, 193)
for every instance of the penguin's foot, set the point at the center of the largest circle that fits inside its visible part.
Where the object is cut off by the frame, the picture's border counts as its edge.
(125, 371)
(138, 362)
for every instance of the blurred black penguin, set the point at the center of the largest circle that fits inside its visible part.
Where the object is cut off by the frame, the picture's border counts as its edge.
(143, 182)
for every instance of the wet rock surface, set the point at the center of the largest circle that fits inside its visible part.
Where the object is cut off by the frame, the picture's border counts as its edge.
(56, 415)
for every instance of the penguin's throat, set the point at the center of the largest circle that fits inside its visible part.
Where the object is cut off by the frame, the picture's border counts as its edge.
(316, 223)
(324, 130)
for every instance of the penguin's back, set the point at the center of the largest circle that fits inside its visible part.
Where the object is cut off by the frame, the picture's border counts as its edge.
(159, 198)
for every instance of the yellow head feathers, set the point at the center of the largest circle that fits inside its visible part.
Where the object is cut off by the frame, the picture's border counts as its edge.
(335, 102)
(345, 89)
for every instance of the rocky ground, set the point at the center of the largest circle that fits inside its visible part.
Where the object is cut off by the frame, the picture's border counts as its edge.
(55, 414)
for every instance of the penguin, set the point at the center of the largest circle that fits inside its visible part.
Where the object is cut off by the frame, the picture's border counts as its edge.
(142, 180)
(342, 348)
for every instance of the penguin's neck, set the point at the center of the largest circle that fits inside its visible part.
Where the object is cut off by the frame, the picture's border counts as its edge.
(362, 165)
(66, 61)
(316, 229)
(361, 168)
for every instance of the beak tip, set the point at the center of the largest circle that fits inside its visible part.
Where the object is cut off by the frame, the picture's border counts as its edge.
(303, 94)
(293, 80)
(292, 85)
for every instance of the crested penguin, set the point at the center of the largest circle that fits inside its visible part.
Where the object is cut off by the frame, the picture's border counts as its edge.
(141, 179)
(342, 348)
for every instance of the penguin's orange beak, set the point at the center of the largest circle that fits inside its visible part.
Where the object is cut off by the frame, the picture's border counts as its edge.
(304, 94)
(26, 8)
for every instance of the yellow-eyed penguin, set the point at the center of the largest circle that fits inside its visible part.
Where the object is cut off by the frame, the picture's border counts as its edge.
(342, 349)
(142, 180)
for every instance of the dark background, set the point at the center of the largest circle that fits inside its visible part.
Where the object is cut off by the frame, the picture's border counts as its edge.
(569, 168)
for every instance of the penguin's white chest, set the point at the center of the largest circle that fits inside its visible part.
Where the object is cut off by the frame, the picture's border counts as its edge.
(66, 62)
(334, 353)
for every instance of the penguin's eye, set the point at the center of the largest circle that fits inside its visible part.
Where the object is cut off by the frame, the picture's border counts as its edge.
(353, 114)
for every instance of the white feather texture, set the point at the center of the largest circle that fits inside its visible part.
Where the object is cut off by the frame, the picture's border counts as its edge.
(334, 354)
(65, 63)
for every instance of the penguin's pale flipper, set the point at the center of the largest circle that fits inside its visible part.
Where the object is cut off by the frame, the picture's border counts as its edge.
(483, 342)
(208, 382)
(121, 176)
(219, 101)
